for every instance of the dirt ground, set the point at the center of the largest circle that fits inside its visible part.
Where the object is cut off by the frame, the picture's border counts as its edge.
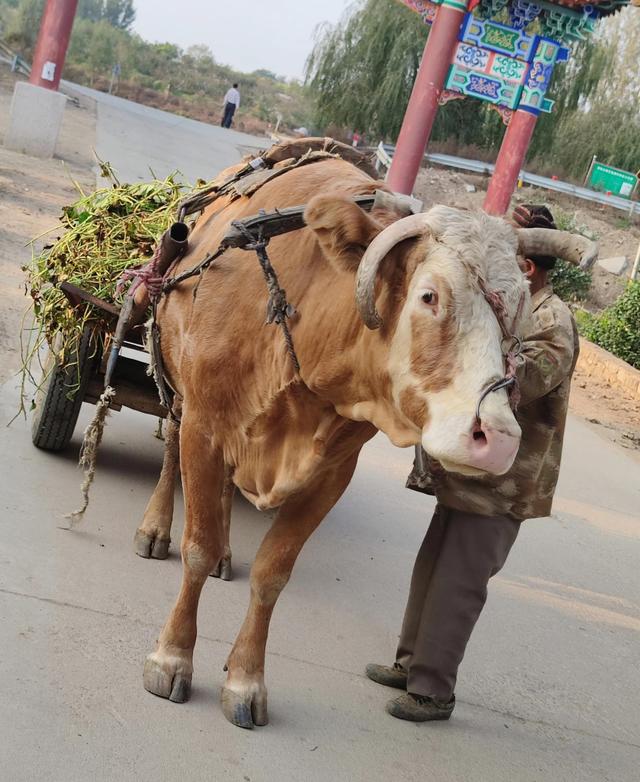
(32, 193)
(615, 415)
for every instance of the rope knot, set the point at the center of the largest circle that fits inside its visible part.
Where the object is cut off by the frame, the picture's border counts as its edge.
(147, 274)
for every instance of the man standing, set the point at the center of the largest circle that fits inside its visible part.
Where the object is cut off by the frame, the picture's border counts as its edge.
(476, 520)
(231, 103)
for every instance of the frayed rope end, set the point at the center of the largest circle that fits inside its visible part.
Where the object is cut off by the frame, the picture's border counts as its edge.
(89, 452)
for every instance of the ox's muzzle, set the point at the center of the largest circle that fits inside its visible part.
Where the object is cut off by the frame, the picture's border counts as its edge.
(491, 450)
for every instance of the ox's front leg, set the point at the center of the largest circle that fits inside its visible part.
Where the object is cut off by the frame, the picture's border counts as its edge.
(244, 696)
(168, 670)
(153, 536)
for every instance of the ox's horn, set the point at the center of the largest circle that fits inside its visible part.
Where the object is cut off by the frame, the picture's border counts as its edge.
(385, 241)
(561, 244)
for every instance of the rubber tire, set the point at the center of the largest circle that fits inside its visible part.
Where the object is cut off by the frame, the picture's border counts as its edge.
(56, 416)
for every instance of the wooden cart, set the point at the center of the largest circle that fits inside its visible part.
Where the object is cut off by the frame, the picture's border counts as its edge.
(58, 408)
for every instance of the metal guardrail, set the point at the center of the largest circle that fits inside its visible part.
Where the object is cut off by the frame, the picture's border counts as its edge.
(384, 156)
(14, 60)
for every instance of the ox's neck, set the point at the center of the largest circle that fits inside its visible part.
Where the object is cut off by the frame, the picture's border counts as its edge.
(345, 363)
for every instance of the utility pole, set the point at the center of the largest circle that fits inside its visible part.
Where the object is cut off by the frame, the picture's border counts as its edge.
(115, 80)
(423, 103)
(53, 42)
(37, 108)
(509, 162)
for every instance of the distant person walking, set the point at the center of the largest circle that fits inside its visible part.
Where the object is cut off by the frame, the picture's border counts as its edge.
(231, 103)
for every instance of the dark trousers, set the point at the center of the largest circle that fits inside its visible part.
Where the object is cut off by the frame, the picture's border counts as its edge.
(459, 554)
(227, 117)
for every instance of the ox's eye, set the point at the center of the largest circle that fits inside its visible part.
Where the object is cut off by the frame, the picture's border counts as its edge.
(430, 298)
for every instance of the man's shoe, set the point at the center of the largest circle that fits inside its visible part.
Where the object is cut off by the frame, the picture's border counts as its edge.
(418, 708)
(389, 675)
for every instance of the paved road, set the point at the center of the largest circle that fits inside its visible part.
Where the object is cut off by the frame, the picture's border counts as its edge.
(138, 139)
(548, 691)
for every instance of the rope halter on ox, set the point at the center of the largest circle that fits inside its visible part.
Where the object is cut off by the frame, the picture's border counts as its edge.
(510, 381)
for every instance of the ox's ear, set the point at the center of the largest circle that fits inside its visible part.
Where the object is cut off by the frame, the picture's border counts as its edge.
(344, 230)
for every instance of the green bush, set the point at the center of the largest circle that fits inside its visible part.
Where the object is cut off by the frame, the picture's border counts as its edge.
(617, 329)
(584, 321)
(570, 282)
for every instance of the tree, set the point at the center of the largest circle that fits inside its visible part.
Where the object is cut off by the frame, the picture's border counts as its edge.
(97, 47)
(200, 52)
(361, 72)
(597, 96)
(117, 13)
(266, 74)
(23, 27)
(7, 11)
(362, 69)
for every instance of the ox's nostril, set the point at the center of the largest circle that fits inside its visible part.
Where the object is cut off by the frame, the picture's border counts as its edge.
(477, 434)
(490, 449)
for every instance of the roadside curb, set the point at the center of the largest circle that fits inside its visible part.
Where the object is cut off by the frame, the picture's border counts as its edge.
(84, 101)
(596, 362)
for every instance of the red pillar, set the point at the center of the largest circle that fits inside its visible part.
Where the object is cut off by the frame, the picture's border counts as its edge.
(423, 103)
(509, 163)
(53, 40)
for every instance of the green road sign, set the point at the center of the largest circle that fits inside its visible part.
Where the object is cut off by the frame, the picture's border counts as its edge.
(612, 180)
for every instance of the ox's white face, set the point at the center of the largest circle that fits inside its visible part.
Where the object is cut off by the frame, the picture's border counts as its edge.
(448, 346)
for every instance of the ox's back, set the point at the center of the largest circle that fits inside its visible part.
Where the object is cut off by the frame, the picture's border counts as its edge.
(222, 330)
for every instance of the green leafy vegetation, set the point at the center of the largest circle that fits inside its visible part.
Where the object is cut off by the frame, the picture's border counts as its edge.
(616, 329)
(362, 71)
(111, 229)
(570, 282)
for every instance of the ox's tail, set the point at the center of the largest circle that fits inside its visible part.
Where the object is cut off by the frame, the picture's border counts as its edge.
(89, 451)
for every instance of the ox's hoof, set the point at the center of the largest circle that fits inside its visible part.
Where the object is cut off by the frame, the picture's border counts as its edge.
(223, 569)
(168, 677)
(245, 709)
(150, 546)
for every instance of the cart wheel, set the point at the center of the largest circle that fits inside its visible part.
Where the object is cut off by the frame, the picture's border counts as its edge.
(56, 415)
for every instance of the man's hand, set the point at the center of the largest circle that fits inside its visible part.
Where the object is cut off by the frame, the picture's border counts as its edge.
(533, 216)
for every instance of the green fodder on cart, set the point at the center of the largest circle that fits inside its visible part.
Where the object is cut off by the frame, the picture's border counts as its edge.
(110, 230)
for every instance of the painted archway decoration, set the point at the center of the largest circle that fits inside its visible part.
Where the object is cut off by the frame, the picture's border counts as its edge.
(501, 62)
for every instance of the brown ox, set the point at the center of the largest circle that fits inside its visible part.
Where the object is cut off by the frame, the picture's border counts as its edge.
(411, 359)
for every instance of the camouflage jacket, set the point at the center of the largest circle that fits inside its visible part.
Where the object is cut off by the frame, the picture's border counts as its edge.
(550, 353)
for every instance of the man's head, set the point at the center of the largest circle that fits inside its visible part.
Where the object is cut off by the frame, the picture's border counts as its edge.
(536, 267)
(235, 86)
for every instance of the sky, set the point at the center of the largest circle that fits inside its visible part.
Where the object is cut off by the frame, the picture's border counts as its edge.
(246, 34)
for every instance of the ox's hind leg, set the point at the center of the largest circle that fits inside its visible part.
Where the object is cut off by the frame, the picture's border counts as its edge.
(244, 696)
(167, 671)
(223, 568)
(153, 536)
